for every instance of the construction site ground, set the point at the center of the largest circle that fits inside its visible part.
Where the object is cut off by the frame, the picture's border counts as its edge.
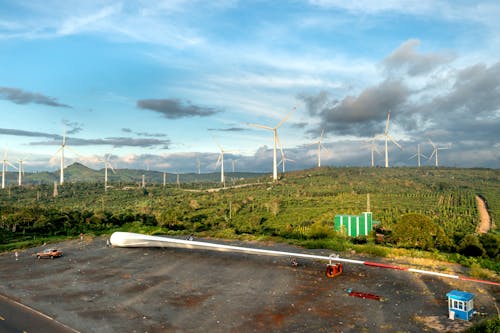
(96, 288)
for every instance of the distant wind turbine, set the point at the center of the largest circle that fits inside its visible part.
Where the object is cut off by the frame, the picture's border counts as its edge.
(107, 164)
(61, 149)
(276, 141)
(435, 151)
(284, 160)
(373, 149)
(220, 161)
(388, 137)
(4, 167)
(418, 155)
(320, 145)
(21, 171)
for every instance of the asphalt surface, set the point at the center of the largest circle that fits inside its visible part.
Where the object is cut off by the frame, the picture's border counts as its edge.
(15, 318)
(95, 288)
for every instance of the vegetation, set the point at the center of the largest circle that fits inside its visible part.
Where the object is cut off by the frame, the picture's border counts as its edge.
(425, 209)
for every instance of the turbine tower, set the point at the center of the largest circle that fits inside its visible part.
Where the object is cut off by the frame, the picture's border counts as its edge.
(373, 149)
(107, 164)
(4, 167)
(61, 149)
(220, 161)
(320, 145)
(276, 141)
(435, 151)
(21, 171)
(418, 155)
(388, 137)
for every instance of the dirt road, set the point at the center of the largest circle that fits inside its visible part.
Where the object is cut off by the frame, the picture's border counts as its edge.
(94, 288)
(485, 219)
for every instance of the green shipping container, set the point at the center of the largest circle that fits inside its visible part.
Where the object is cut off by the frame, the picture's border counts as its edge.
(354, 225)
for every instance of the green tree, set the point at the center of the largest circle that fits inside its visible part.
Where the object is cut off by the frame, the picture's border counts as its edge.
(418, 231)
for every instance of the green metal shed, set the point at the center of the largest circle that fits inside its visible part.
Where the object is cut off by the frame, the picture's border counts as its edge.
(355, 225)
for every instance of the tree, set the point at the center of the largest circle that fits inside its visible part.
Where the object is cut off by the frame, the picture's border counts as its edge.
(418, 231)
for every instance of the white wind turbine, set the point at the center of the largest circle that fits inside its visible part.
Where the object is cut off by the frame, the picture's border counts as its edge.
(418, 155)
(284, 160)
(388, 137)
(4, 167)
(107, 165)
(320, 145)
(276, 141)
(373, 149)
(61, 149)
(220, 160)
(435, 151)
(20, 162)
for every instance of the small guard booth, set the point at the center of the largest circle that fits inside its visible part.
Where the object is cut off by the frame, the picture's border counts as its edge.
(460, 305)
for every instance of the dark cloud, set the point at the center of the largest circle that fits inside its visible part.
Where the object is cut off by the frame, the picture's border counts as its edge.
(407, 60)
(362, 115)
(16, 132)
(175, 109)
(20, 96)
(315, 104)
(112, 141)
(153, 135)
(229, 129)
(74, 127)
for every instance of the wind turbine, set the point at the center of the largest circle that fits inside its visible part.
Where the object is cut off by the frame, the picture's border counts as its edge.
(220, 161)
(388, 137)
(435, 151)
(373, 148)
(276, 140)
(61, 149)
(107, 164)
(320, 145)
(418, 155)
(4, 167)
(284, 160)
(21, 171)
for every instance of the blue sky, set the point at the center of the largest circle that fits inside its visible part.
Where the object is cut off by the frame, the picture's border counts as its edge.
(158, 83)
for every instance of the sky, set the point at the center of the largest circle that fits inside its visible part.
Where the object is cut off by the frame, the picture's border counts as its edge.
(164, 85)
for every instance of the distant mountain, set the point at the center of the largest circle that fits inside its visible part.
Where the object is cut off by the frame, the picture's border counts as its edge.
(77, 173)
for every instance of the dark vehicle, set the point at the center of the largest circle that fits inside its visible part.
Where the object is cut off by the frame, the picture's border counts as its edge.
(49, 253)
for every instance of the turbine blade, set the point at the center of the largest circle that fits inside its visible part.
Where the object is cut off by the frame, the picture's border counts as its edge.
(286, 117)
(261, 126)
(73, 151)
(433, 152)
(387, 123)
(394, 141)
(12, 165)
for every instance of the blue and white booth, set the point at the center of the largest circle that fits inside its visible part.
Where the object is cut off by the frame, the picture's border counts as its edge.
(460, 304)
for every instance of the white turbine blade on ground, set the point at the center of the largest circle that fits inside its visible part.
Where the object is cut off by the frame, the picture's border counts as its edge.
(286, 117)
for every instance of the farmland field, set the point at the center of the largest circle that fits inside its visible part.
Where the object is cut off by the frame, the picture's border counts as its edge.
(300, 206)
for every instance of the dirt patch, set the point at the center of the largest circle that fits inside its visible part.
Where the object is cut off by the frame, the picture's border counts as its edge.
(94, 288)
(485, 219)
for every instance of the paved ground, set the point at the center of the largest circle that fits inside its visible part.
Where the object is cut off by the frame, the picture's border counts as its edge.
(93, 288)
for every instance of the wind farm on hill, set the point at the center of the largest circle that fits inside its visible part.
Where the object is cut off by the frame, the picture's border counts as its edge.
(107, 159)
